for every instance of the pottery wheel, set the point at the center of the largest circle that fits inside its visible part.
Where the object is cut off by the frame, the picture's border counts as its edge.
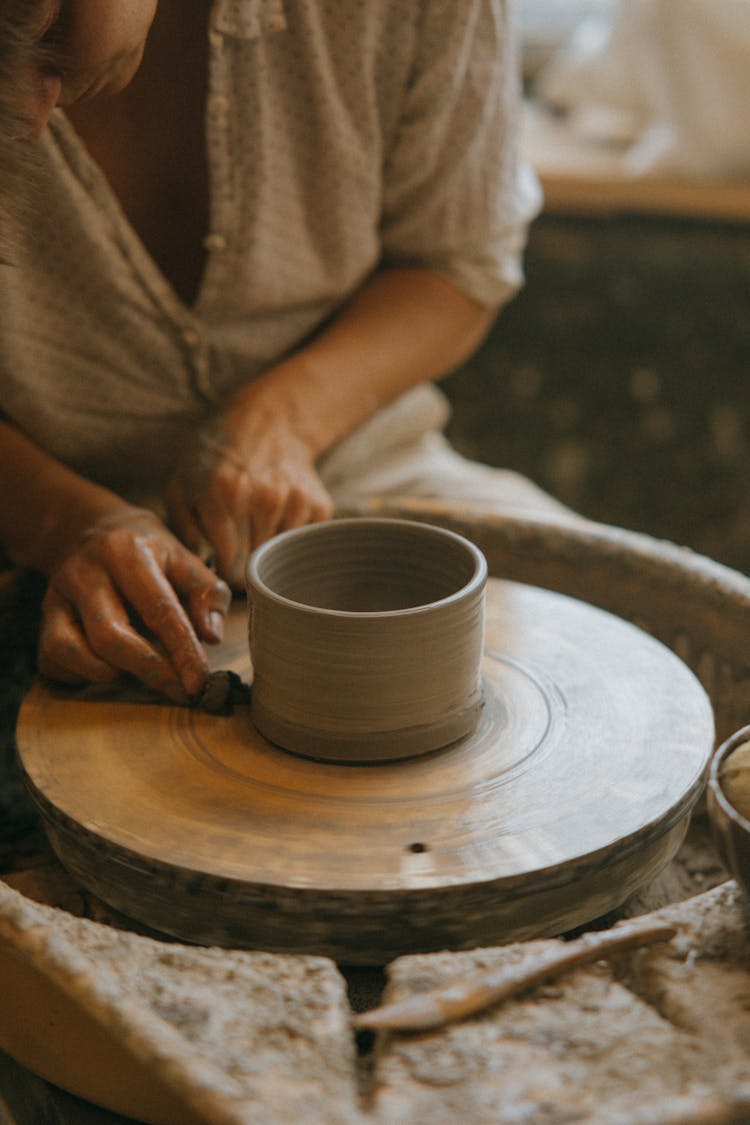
(575, 788)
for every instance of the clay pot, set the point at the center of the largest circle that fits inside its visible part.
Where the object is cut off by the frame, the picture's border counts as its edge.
(366, 638)
(731, 830)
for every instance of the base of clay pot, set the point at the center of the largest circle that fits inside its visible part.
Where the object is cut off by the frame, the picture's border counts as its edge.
(370, 746)
(366, 638)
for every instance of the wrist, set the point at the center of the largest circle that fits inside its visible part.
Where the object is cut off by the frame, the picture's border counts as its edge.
(63, 509)
(287, 399)
(45, 507)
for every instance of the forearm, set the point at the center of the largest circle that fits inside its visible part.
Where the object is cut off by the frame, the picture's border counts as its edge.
(108, 564)
(44, 506)
(403, 327)
(254, 471)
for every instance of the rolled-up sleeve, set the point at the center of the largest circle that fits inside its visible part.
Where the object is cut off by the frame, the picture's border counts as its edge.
(458, 195)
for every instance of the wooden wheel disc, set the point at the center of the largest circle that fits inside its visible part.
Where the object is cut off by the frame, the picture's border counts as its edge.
(574, 789)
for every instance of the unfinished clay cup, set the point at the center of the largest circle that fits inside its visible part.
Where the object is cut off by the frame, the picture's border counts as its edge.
(727, 799)
(366, 638)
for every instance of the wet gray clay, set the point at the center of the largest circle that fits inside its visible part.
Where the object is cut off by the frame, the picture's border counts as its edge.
(366, 637)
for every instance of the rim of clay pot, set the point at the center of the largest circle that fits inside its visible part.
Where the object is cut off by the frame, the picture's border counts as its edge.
(725, 751)
(474, 583)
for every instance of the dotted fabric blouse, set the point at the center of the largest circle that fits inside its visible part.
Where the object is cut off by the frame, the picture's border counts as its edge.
(340, 133)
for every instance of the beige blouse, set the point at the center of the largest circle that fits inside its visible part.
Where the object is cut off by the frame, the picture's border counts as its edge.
(340, 133)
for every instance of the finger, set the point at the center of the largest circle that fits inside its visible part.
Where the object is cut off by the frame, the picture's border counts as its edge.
(112, 637)
(144, 585)
(208, 597)
(63, 651)
(268, 504)
(182, 519)
(228, 532)
(307, 505)
(297, 511)
(108, 630)
(321, 508)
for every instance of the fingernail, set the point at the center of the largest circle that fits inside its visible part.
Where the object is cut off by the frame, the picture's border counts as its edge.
(216, 625)
(193, 681)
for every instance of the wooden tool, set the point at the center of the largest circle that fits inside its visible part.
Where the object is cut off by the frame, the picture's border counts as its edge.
(462, 998)
(575, 788)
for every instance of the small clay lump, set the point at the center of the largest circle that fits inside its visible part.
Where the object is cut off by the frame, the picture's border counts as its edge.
(735, 779)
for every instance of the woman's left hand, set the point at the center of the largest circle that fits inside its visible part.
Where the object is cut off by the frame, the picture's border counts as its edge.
(249, 476)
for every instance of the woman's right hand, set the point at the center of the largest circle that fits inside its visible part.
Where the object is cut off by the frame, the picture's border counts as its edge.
(127, 598)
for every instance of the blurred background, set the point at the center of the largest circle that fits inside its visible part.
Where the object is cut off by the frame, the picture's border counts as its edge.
(617, 379)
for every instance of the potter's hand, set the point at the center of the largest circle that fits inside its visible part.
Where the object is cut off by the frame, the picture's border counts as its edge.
(249, 477)
(129, 598)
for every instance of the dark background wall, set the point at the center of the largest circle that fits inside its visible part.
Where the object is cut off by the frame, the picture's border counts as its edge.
(618, 378)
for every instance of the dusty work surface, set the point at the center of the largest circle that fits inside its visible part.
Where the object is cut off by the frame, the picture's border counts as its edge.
(193, 1035)
(657, 1036)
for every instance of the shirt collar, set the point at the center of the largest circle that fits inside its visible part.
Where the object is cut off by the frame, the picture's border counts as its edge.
(248, 19)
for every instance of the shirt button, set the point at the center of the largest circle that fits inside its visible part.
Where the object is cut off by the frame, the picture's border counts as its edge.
(191, 337)
(216, 242)
(218, 103)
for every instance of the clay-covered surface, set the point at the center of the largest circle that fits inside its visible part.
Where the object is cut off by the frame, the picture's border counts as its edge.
(179, 1034)
(657, 1036)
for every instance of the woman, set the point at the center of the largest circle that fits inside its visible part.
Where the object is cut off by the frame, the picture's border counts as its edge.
(257, 229)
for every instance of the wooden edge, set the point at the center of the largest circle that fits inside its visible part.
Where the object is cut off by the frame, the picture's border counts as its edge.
(584, 179)
(583, 196)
